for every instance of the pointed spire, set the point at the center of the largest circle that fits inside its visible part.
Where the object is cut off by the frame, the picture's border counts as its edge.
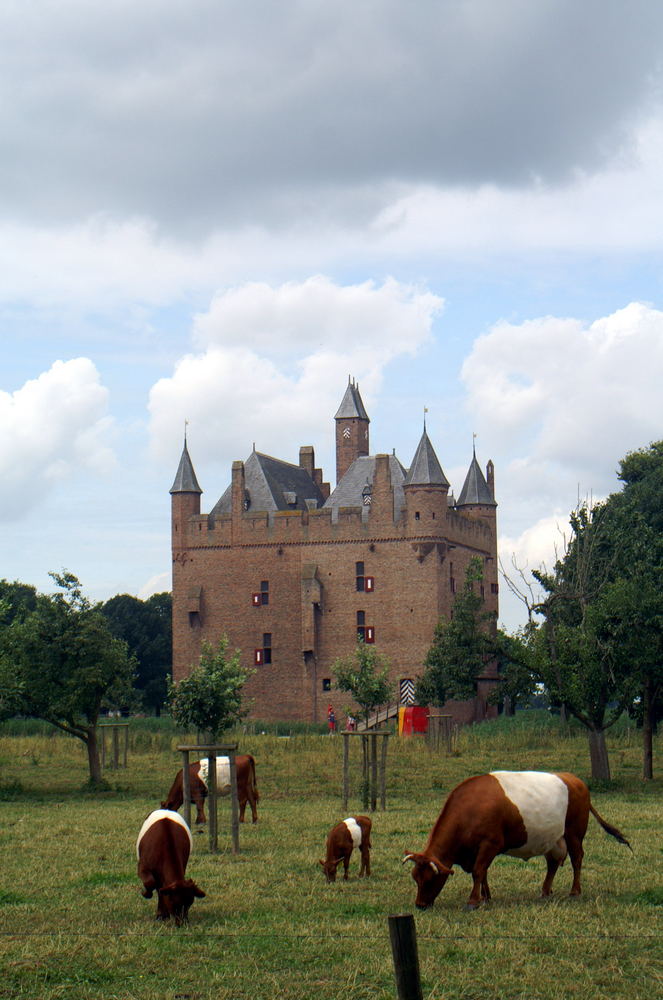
(475, 488)
(185, 478)
(425, 469)
(351, 404)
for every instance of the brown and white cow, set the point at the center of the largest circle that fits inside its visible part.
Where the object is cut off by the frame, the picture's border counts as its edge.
(355, 831)
(247, 790)
(520, 813)
(162, 849)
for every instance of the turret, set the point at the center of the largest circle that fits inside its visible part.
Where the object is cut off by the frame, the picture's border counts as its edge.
(185, 503)
(351, 430)
(477, 496)
(426, 488)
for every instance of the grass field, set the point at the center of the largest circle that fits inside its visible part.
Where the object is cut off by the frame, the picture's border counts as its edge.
(74, 925)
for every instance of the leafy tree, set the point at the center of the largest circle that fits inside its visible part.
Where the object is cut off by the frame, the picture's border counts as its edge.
(641, 523)
(66, 664)
(146, 627)
(460, 646)
(16, 601)
(210, 698)
(364, 675)
(518, 682)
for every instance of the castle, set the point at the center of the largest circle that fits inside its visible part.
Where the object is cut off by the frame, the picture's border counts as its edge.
(293, 572)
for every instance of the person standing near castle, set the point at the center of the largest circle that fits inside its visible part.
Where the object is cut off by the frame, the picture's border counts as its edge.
(331, 719)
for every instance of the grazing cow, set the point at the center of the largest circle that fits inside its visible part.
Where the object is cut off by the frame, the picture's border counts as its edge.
(355, 831)
(247, 790)
(520, 813)
(162, 849)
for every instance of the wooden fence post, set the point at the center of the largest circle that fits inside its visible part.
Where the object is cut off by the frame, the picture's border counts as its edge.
(403, 935)
(211, 803)
(186, 788)
(346, 771)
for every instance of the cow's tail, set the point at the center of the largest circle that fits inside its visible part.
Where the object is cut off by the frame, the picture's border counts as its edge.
(252, 778)
(612, 830)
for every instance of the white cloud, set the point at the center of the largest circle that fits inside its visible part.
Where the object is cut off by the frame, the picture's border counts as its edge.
(271, 362)
(53, 426)
(567, 399)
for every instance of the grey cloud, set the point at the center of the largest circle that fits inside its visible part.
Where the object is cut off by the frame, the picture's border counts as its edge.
(221, 113)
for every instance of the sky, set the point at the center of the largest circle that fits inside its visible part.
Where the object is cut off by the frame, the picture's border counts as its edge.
(217, 211)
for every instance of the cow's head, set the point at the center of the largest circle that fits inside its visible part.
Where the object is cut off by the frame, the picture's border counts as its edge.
(176, 899)
(329, 868)
(430, 876)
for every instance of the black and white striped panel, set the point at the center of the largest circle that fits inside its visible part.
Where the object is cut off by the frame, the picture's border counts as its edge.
(407, 691)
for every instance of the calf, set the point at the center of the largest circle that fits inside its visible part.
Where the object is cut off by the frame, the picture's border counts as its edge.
(162, 849)
(247, 790)
(520, 813)
(355, 831)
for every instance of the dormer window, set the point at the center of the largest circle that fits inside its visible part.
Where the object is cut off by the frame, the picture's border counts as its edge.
(367, 494)
(247, 500)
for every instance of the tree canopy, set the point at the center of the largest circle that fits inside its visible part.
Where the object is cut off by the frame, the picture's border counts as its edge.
(599, 649)
(364, 675)
(146, 627)
(210, 698)
(460, 646)
(65, 665)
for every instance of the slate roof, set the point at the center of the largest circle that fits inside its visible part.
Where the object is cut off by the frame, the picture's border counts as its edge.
(475, 488)
(349, 491)
(185, 478)
(273, 485)
(425, 469)
(351, 404)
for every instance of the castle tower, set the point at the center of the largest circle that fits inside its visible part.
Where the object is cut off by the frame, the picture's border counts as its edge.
(426, 489)
(185, 503)
(477, 496)
(351, 430)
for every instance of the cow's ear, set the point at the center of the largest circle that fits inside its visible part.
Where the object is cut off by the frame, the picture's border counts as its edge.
(197, 891)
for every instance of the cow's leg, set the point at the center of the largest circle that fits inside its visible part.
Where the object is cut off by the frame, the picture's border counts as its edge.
(199, 802)
(365, 862)
(485, 857)
(162, 912)
(346, 865)
(576, 853)
(242, 809)
(485, 891)
(554, 858)
(254, 811)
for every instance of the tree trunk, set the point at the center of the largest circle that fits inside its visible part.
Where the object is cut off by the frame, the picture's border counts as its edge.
(598, 754)
(647, 730)
(94, 764)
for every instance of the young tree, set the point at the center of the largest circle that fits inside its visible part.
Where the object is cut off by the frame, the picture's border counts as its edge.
(460, 647)
(210, 698)
(146, 627)
(67, 665)
(364, 675)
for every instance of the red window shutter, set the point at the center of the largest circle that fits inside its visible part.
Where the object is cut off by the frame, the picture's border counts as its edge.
(369, 635)
(369, 582)
(257, 657)
(256, 600)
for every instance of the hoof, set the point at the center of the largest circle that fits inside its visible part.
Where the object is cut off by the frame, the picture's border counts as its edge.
(472, 906)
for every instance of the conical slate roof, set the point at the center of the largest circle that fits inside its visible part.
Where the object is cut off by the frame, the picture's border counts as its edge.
(425, 469)
(351, 404)
(475, 488)
(185, 479)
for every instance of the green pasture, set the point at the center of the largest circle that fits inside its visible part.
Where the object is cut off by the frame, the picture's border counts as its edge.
(73, 923)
